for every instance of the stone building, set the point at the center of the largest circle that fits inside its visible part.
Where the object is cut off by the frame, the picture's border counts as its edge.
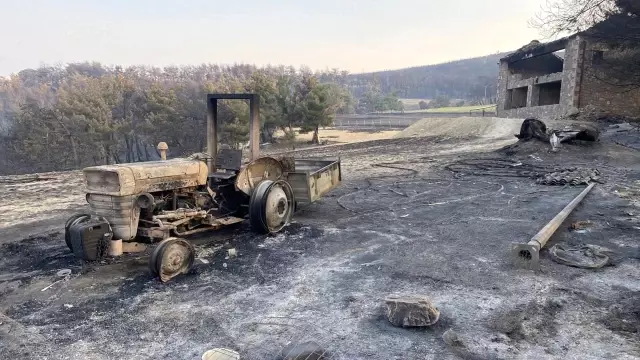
(540, 80)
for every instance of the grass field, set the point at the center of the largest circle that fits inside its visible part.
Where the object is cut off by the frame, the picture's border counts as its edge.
(462, 109)
(412, 105)
(333, 136)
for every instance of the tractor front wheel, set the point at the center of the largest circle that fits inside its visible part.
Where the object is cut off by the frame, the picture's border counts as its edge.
(170, 258)
(75, 219)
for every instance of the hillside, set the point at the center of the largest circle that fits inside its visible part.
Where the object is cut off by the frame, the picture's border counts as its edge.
(461, 79)
(88, 113)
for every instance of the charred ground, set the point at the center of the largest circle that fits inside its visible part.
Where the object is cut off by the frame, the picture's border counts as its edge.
(406, 227)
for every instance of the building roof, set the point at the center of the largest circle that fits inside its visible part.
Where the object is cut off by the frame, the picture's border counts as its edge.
(611, 25)
(536, 48)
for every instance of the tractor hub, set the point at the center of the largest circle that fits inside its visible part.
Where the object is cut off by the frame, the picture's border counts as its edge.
(171, 258)
(271, 206)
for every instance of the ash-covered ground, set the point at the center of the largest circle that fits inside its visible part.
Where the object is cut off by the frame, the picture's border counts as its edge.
(407, 227)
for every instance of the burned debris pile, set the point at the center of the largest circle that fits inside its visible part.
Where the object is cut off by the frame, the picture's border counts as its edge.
(570, 176)
(586, 256)
(592, 114)
(536, 137)
(543, 175)
(533, 128)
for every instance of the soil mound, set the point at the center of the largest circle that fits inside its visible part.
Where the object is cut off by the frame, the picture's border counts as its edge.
(464, 127)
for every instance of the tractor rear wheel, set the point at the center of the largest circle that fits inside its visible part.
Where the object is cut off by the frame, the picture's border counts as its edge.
(271, 206)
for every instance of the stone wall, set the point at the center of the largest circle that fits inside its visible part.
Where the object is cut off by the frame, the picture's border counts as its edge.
(547, 112)
(513, 83)
(501, 96)
(570, 74)
(606, 98)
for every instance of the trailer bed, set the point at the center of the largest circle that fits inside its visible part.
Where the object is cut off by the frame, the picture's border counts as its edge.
(313, 178)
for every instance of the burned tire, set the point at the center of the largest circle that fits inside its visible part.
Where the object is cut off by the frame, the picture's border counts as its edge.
(533, 128)
(271, 206)
(73, 220)
(89, 237)
(172, 257)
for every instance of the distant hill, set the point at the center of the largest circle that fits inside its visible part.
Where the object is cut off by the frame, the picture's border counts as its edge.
(462, 79)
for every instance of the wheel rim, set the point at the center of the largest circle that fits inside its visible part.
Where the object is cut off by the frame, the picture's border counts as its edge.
(171, 258)
(174, 261)
(276, 208)
(271, 206)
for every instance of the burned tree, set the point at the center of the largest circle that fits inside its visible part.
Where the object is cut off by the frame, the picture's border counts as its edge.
(613, 23)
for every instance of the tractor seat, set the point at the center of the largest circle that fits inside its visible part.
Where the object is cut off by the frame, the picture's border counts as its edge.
(222, 175)
(229, 161)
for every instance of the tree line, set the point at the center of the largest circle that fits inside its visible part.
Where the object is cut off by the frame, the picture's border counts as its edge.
(80, 114)
(69, 117)
(472, 79)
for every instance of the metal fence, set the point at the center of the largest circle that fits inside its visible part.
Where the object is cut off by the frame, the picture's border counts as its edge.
(398, 122)
(483, 111)
(378, 124)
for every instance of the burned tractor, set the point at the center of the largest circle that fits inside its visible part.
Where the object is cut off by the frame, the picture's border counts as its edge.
(163, 201)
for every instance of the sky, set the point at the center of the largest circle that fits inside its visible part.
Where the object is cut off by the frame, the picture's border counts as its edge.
(353, 35)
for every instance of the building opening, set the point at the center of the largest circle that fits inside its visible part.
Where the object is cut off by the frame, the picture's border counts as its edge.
(549, 93)
(517, 98)
(538, 66)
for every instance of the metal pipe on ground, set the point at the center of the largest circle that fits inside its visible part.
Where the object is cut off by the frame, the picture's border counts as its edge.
(528, 255)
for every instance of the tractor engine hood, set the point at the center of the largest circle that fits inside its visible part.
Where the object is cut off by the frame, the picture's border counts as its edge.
(152, 176)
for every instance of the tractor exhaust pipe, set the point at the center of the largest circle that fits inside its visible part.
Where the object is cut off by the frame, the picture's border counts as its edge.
(162, 148)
